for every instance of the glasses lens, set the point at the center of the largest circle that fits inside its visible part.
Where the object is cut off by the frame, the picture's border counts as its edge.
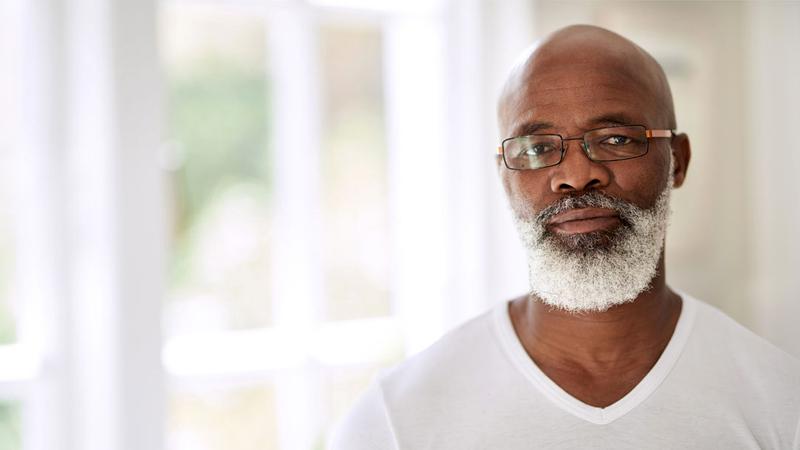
(609, 144)
(532, 152)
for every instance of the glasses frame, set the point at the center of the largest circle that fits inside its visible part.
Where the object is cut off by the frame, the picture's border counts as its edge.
(649, 134)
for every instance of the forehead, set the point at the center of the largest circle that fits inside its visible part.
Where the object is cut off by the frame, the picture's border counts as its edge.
(579, 93)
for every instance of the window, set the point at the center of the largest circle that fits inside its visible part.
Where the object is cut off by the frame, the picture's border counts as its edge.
(279, 186)
(10, 425)
(354, 175)
(221, 187)
(17, 372)
(7, 321)
(9, 407)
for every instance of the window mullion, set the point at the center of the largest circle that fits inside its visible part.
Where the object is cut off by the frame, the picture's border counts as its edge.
(297, 280)
(415, 80)
(113, 116)
(33, 127)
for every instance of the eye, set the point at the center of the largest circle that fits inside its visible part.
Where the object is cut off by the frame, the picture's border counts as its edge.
(537, 149)
(617, 140)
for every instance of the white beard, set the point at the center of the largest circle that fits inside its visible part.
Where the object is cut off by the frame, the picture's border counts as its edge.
(595, 271)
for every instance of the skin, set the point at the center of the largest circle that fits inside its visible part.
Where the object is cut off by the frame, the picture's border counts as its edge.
(580, 78)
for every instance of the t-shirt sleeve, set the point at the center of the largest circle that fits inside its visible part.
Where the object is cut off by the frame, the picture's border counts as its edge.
(366, 426)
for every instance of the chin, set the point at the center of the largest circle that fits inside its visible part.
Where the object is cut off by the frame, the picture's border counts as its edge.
(591, 300)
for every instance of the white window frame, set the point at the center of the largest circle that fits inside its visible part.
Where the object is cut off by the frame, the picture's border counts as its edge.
(85, 130)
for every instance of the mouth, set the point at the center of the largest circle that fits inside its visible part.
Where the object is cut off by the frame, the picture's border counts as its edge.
(584, 220)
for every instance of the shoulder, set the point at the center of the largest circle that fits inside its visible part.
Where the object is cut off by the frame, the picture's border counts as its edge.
(366, 426)
(408, 399)
(429, 372)
(763, 379)
(744, 349)
(759, 375)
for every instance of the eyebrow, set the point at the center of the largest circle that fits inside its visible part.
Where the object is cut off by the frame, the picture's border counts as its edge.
(614, 120)
(527, 128)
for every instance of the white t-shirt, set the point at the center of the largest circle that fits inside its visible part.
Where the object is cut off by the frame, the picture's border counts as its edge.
(716, 386)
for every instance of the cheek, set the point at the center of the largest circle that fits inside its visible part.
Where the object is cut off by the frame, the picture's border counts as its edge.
(640, 181)
(525, 192)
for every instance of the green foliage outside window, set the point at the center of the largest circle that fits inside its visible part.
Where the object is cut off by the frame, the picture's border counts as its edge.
(7, 325)
(9, 426)
(218, 116)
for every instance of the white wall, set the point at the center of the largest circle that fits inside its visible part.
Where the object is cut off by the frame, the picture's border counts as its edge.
(772, 167)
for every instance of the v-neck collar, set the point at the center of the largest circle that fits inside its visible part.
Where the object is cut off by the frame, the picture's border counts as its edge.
(513, 347)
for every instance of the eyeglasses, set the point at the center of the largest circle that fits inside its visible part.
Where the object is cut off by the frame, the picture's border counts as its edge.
(537, 151)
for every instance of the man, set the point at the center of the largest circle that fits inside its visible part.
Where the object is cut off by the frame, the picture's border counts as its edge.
(601, 353)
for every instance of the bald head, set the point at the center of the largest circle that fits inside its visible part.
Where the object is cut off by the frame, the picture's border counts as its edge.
(581, 60)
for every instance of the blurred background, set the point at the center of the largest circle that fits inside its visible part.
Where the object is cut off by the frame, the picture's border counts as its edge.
(220, 218)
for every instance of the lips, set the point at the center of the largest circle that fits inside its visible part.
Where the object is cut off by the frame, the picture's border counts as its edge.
(584, 220)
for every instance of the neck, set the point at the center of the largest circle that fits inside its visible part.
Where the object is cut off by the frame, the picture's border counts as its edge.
(623, 335)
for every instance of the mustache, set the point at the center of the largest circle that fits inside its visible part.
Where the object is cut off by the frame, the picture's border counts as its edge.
(594, 199)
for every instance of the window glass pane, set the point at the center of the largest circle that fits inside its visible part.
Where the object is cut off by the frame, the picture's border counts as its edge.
(217, 94)
(354, 175)
(10, 426)
(7, 325)
(233, 418)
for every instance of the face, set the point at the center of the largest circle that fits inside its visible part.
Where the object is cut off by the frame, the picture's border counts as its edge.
(594, 230)
(569, 99)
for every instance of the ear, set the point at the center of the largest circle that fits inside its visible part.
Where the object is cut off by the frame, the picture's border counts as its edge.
(682, 152)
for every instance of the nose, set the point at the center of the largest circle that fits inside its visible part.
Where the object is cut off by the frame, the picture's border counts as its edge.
(577, 172)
